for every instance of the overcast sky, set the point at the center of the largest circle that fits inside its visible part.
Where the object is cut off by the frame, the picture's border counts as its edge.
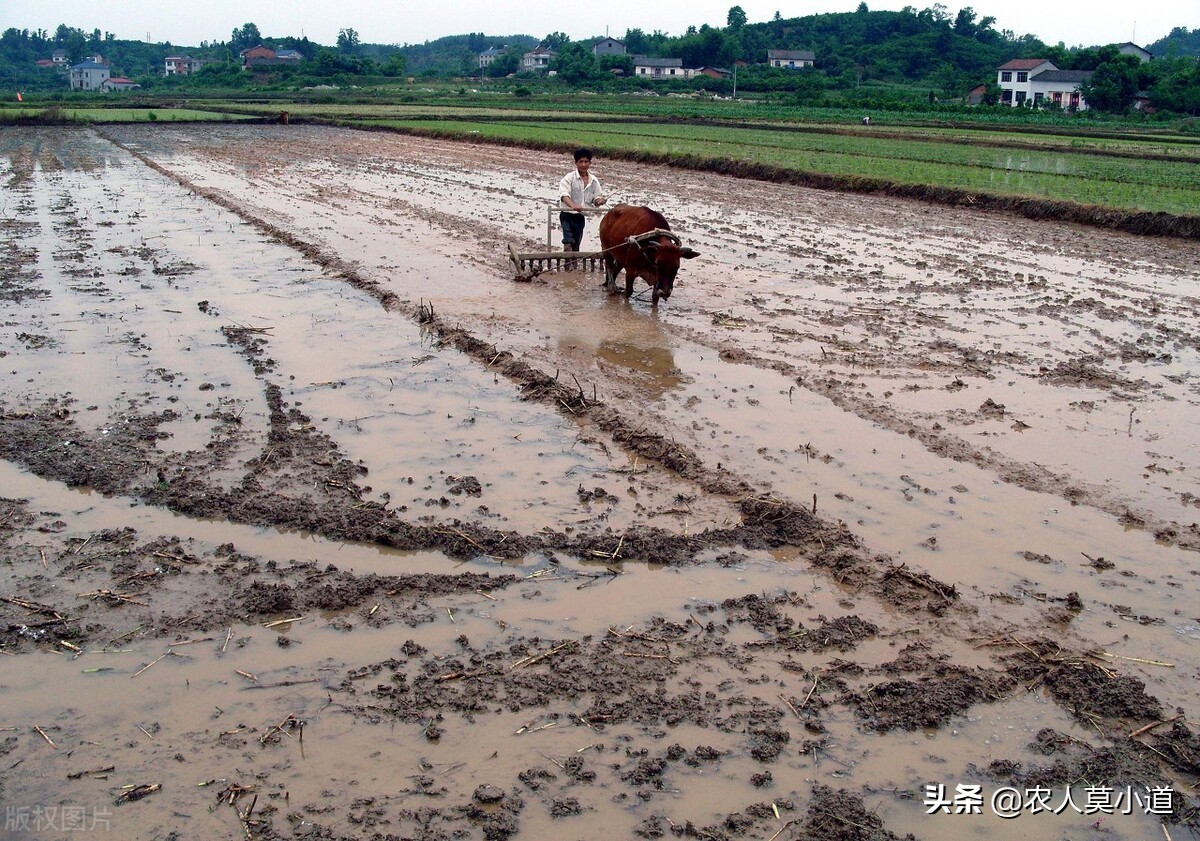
(189, 22)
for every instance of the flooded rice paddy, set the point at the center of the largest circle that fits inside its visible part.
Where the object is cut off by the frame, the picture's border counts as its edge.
(316, 524)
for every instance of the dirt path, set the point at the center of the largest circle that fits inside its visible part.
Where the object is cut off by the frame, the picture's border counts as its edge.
(316, 520)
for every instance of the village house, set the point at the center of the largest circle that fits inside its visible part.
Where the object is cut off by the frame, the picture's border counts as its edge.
(119, 83)
(265, 56)
(59, 57)
(538, 59)
(1038, 82)
(660, 68)
(181, 65)
(489, 55)
(89, 76)
(1060, 88)
(792, 59)
(1130, 48)
(608, 46)
(257, 55)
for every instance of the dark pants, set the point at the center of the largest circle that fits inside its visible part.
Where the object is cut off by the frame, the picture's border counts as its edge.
(572, 229)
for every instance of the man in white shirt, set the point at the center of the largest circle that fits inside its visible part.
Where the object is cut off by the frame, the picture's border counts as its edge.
(577, 190)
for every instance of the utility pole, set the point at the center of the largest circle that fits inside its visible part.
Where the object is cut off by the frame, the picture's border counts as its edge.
(735, 79)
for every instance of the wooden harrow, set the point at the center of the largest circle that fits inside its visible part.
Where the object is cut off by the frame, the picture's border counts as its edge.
(530, 264)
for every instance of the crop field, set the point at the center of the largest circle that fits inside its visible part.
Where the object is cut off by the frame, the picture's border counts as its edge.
(1129, 175)
(1117, 182)
(122, 115)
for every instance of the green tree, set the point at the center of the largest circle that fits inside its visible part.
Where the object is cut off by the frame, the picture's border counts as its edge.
(75, 45)
(636, 42)
(397, 65)
(736, 18)
(574, 63)
(245, 37)
(1114, 84)
(347, 41)
(964, 24)
(1178, 86)
(468, 62)
(607, 64)
(555, 41)
(506, 63)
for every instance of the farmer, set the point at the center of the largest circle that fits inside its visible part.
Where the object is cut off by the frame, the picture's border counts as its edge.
(578, 190)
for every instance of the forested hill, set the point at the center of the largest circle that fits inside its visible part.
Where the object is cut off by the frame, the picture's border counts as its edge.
(895, 46)
(949, 51)
(459, 54)
(931, 45)
(1178, 44)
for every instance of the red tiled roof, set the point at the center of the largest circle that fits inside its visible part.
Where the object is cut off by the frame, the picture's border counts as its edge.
(1023, 63)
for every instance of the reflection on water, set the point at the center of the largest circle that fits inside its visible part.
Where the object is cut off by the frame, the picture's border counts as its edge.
(655, 364)
(625, 342)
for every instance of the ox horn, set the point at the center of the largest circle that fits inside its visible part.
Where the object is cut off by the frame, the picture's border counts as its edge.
(688, 253)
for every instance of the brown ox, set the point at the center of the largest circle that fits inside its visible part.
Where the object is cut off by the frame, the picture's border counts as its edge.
(639, 240)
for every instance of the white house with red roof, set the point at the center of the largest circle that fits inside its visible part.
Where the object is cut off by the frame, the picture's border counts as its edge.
(1038, 82)
(1013, 78)
(119, 83)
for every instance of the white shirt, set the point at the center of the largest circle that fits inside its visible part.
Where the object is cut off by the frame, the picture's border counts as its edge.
(572, 185)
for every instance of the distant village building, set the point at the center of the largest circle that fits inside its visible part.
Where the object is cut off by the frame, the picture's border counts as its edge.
(181, 65)
(976, 95)
(255, 56)
(119, 83)
(714, 72)
(1060, 88)
(59, 57)
(1130, 48)
(608, 46)
(791, 59)
(489, 55)
(1038, 82)
(46, 62)
(89, 76)
(265, 56)
(538, 59)
(1013, 78)
(659, 68)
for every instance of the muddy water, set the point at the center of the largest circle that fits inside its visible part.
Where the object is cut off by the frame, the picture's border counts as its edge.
(837, 355)
(197, 716)
(911, 318)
